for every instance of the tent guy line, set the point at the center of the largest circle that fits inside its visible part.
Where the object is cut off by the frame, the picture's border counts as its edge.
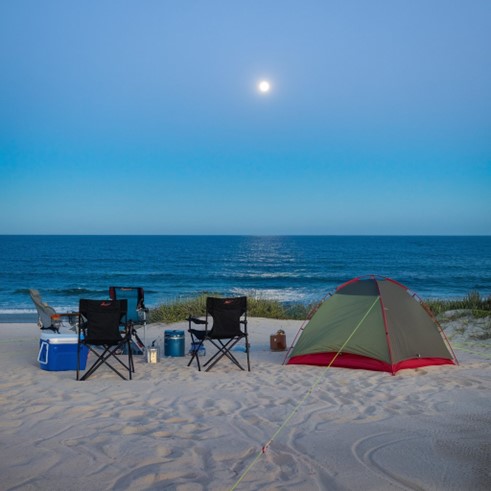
(304, 398)
(402, 333)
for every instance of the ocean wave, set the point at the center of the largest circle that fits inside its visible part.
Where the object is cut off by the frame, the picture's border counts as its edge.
(280, 295)
(18, 311)
(268, 275)
(63, 291)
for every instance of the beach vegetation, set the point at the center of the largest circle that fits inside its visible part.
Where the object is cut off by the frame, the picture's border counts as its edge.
(180, 309)
(479, 306)
(274, 309)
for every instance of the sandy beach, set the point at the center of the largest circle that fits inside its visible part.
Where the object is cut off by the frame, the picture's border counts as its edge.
(175, 428)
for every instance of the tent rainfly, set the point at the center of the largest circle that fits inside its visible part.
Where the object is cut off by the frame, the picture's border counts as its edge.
(372, 323)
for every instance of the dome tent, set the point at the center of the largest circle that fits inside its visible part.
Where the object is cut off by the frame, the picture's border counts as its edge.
(372, 323)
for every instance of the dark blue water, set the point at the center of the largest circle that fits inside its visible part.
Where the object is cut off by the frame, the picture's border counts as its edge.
(293, 268)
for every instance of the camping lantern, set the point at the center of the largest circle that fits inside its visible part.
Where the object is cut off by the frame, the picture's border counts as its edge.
(152, 355)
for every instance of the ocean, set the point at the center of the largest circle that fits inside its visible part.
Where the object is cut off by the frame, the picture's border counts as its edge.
(287, 268)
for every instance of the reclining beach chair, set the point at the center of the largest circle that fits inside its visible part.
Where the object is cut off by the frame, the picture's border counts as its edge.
(48, 318)
(137, 313)
(99, 330)
(229, 326)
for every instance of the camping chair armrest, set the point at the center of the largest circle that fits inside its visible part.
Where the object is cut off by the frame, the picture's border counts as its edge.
(71, 317)
(195, 320)
(65, 314)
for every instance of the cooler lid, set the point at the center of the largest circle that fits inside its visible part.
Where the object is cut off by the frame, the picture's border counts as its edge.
(54, 338)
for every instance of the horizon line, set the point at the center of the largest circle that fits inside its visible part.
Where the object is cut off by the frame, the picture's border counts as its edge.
(236, 235)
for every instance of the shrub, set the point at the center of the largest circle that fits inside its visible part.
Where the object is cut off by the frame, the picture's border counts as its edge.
(481, 307)
(180, 309)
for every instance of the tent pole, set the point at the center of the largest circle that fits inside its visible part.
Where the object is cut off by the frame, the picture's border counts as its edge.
(386, 327)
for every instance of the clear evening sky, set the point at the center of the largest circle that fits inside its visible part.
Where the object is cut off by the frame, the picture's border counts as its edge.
(144, 117)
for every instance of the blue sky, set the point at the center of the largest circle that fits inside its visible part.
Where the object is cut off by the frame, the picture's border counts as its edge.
(143, 117)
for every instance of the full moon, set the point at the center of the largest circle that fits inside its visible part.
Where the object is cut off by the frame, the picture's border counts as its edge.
(264, 86)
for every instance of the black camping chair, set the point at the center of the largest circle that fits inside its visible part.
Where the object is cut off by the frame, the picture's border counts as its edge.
(136, 315)
(229, 327)
(100, 331)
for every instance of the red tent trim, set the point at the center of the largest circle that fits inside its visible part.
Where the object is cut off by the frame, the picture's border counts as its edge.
(348, 360)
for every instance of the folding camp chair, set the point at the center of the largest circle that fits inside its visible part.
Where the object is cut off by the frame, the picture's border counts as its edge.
(99, 330)
(229, 327)
(137, 312)
(48, 318)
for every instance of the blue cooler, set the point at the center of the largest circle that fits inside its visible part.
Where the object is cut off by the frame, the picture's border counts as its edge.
(58, 352)
(174, 343)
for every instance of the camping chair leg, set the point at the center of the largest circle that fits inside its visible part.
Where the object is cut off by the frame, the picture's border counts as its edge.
(103, 359)
(227, 352)
(78, 361)
(130, 352)
(195, 353)
(219, 354)
(193, 356)
(131, 364)
(138, 341)
(97, 363)
(94, 366)
(101, 362)
(247, 346)
(145, 337)
(224, 350)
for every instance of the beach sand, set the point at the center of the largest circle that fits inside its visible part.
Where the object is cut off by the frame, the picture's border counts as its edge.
(175, 428)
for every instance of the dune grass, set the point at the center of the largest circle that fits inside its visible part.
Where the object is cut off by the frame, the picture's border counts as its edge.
(180, 309)
(473, 301)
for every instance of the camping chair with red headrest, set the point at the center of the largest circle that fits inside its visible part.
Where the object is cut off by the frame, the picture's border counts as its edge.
(100, 330)
(229, 327)
(136, 315)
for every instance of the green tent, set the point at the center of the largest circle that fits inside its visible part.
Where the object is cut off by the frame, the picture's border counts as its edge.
(373, 323)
